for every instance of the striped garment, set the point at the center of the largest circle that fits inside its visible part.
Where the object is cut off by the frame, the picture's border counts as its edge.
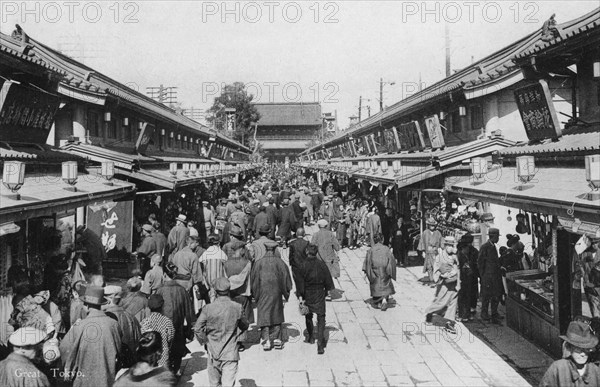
(212, 264)
(162, 324)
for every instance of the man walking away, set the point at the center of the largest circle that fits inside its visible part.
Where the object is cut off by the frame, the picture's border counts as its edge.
(491, 276)
(271, 283)
(218, 327)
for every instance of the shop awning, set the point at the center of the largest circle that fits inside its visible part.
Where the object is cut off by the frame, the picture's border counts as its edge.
(164, 179)
(407, 175)
(100, 154)
(553, 191)
(44, 195)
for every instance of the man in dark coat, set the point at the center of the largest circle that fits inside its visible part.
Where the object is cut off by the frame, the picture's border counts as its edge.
(129, 327)
(177, 239)
(262, 219)
(90, 362)
(328, 245)
(179, 308)
(94, 254)
(297, 253)
(160, 239)
(491, 276)
(271, 283)
(298, 212)
(313, 284)
(251, 213)
(400, 241)
(147, 249)
(287, 222)
(272, 213)
(380, 268)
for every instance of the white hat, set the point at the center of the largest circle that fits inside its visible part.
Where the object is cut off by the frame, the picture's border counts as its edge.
(322, 223)
(181, 218)
(194, 232)
(112, 289)
(27, 336)
(265, 204)
(302, 205)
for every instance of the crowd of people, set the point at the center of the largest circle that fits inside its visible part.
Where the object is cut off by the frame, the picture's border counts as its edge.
(206, 277)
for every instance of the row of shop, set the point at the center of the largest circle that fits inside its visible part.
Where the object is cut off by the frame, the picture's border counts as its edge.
(80, 150)
(534, 176)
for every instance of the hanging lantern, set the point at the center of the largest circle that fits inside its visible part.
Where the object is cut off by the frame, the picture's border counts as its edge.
(125, 121)
(108, 171)
(107, 117)
(69, 173)
(162, 132)
(525, 169)
(173, 169)
(597, 69)
(374, 166)
(592, 175)
(462, 111)
(185, 167)
(479, 167)
(396, 166)
(13, 176)
(384, 166)
(193, 169)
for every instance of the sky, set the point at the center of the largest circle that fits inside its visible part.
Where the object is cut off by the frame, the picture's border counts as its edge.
(333, 52)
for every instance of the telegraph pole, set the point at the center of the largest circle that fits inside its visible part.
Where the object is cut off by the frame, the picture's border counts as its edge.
(447, 32)
(381, 94)
(359, 108)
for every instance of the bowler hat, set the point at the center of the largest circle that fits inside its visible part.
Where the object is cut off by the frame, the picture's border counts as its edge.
(449, 240)
(148, 228)
(580, 335)
(431, 221)
(271, 244)
(94, 295)
(182, 218)
(493, 231)
(322, 223)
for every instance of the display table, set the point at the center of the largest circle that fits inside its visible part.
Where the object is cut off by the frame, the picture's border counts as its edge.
(531, 306)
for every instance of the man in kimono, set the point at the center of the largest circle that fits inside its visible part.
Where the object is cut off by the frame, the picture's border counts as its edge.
(257, 248)
(129, 327)
(328, 246)
(273, 214)
(189, 271)
(160, 239)
(261, 219)
(147, 249)
(271, 284)
(89, 362)
(135, 302)
(212, 263)
(209, 218)
(94, 254)
(380, 268)
(287, 222)
(430, 242)
(179, 308)
(373, 226)
(177, 239)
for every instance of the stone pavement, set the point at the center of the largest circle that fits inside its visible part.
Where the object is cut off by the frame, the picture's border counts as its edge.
(368, 347)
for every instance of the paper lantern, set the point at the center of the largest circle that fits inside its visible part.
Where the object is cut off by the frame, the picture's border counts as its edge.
(13, 176)
(69, 173)
(108, 171)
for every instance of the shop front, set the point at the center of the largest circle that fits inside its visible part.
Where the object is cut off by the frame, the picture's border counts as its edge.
(558, 224)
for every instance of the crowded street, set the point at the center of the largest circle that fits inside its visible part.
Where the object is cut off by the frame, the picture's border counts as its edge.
(325, 193)
(394, 348)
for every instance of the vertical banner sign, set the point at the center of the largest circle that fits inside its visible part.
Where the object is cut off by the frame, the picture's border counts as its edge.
(372, 136)
(537, 111)
(410, 137)
(141, 145)
(396, 138)
(366, 145)
(113, 222)
(26, 114)
(352, 148)
(230, 119)
(390, 140)
(434, 130)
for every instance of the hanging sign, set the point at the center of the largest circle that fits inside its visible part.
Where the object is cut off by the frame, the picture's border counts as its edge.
(113, 222)
(26, 114)
(143, 140)
(410, 137)
(434, 129)
(537, 111)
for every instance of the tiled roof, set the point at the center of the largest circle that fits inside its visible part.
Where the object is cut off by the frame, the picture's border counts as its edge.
(84, 78)
(13, 48)
(289, 114)
(569, 29)
(489, 69)
(35, 152)
(99, 154)
(570, 143)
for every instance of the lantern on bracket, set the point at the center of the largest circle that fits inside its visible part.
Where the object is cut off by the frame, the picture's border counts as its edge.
(13, 176)
(479, 167)
(108, 171)
(525, 169)
(185, 167)
(173, 169)
(69, 173)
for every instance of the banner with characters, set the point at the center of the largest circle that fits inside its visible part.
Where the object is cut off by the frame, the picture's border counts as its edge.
(113, 222)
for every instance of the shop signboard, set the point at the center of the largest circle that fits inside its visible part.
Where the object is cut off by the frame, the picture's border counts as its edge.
(141, 145)
(113, 222)
(390, 140)
(434, 129)
(26, 114)
(336, 151)
(365, 145)
(537, 111)
(373, 144)
(352, 148)
(410, 136)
